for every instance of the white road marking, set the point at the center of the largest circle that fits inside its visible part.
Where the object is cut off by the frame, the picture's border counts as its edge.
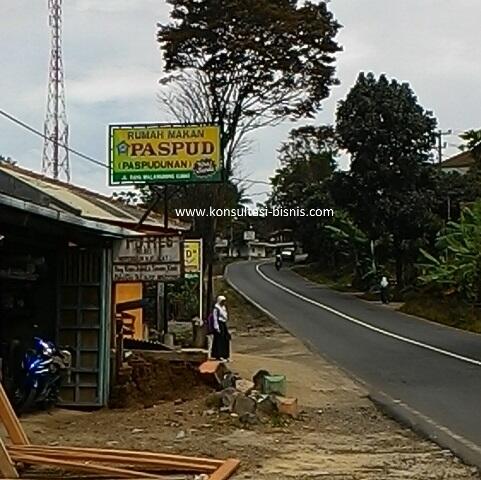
(356, 321)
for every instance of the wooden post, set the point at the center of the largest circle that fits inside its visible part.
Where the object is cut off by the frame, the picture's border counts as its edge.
(10, 421)
(7, 468)
(119, 344)
(165, 300)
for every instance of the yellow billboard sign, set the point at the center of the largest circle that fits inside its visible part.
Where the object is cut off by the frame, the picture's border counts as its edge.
(159, 153)
(192, 256)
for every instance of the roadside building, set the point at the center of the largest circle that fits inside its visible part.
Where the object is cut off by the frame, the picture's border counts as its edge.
(221, 247)
(459, 163)
(56, 272)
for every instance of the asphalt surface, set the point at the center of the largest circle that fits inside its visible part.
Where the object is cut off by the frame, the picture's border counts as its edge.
(427, 371)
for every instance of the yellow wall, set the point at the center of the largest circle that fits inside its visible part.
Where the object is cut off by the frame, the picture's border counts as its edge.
(125, 292)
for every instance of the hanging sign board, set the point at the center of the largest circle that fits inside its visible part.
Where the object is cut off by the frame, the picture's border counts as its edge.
(150, 258)
(249, 235)
(193, 256)
(164, 154)
(193, 267)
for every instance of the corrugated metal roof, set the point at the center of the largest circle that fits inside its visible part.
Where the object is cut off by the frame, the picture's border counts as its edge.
(66, 217)
(65, 195)
(90, 204)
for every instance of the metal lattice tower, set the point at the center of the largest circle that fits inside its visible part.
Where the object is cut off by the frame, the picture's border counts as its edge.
(55, 160)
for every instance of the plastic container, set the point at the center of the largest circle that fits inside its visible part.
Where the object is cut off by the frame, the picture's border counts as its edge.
(276, 384)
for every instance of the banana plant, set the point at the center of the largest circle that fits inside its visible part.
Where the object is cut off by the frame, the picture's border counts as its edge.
(352, 242)
(458, 265)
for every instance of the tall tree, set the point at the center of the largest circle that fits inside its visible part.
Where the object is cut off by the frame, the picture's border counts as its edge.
(254, 62)
(261, 61)
(472, 179)
(186, 98)
(472, 140)
(390, 187)
(308, 159)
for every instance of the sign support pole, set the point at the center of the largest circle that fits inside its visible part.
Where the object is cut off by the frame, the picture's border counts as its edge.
(165, 300)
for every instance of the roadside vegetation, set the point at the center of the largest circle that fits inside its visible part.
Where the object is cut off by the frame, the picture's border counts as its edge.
(393, 205)
(397, 213)
(338, 281)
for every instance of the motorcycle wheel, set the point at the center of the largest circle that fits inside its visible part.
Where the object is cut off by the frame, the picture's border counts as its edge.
(52, 397)
(24, 401)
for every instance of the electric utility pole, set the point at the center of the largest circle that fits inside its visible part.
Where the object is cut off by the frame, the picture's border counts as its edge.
(441, 145)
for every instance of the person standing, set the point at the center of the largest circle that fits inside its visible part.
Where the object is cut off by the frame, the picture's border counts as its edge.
(384, 284)
(221, 340)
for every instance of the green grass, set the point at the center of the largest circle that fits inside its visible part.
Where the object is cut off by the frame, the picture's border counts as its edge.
(448, 310)
(340, 282)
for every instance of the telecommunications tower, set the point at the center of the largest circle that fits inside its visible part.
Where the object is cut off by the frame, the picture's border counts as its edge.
(55, 160)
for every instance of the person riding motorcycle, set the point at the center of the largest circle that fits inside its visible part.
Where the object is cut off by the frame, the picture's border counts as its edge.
(278, 262)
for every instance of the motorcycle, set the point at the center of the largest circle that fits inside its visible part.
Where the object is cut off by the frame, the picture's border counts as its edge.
(37, 383)
(278, 262)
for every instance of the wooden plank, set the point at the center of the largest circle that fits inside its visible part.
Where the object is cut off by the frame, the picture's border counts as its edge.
(10, 420)
(124, 454)
(7, 468)
(226, 470)
(80, 466)
(102, 457)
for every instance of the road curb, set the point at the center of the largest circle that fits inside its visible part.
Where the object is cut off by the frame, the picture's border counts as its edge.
(467, 451)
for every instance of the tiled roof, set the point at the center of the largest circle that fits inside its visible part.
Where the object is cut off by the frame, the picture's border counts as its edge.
(461, 160)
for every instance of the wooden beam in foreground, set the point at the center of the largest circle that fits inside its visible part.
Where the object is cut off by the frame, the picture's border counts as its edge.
(7, 468)
(81, 466)
(122, 454)
(156, 464)
(10, 420)
(226, 470)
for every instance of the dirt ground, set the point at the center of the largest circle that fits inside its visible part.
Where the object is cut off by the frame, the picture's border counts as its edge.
(340, 434)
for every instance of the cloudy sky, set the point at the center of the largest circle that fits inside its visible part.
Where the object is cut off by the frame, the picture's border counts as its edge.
(113, 63)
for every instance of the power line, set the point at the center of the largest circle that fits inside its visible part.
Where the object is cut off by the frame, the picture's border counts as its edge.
(60, 144)
(86, 157)
(260, 182)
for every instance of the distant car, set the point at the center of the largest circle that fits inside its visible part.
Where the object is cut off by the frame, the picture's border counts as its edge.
(288, 255)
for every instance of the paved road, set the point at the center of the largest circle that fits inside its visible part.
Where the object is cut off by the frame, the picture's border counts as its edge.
(434, 372)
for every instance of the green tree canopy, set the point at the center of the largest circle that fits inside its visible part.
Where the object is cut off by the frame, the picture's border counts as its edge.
(261, 61)
(308, 159)
(472, 140)
(391, 185)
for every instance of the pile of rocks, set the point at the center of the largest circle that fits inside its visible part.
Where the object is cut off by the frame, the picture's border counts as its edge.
(244, 399)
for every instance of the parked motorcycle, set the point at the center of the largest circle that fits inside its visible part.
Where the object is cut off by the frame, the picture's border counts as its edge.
(37, 383)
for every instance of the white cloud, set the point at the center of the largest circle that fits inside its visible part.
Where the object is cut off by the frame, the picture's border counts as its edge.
(126, 84)
(109, 6)
(112, 63)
